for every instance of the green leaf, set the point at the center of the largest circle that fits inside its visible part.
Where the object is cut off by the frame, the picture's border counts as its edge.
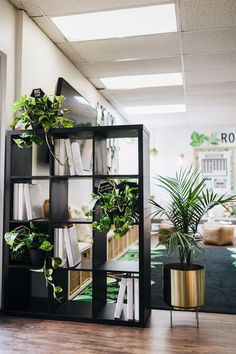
(56, 262)
(58, 290)
(46, 246)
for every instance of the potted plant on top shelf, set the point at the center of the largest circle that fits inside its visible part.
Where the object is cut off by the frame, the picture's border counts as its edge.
(32, 245)
(116, 206)
(39, 113)
(189, 200)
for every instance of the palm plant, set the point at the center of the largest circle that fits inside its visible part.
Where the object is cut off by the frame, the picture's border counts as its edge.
(189, 201)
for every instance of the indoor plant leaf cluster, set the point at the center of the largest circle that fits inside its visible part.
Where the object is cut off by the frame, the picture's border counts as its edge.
(36, 114)
(118, 206)
(22, 239)
(189, 200)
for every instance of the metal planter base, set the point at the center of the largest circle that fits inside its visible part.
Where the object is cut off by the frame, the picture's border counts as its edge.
(184, 289)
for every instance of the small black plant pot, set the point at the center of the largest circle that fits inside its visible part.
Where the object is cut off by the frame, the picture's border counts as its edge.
(37, 257)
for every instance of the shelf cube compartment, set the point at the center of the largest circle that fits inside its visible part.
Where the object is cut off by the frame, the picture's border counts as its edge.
(118, 247)
(27, 292)
(80, 198)
(27, 199)
(120, 299)
(74, 156)
(77, 303)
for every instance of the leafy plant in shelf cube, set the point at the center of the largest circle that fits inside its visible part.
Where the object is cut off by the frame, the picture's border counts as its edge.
(116, 204)
(32, 244)
(39, 113)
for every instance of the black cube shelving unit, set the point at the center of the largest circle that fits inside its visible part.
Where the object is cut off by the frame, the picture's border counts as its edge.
(24, 292)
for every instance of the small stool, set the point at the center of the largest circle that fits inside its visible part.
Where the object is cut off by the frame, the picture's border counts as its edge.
(219, 233)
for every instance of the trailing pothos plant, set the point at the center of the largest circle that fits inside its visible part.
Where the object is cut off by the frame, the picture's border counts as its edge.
(36, 114)
(22, 239)
(116, 203)
(188, 201)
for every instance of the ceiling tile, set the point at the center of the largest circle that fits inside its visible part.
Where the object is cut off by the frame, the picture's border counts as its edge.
(160, 118)
(224, 98)
(212, 108)
(207, 14)
(136, 67)
(147, 93)
(209, 41)
(152, 101)
(211, 76)
(211, 88)
(67, 7)
(140, 47)
(198, 62)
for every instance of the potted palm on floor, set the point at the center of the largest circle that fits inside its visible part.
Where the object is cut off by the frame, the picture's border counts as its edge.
(189, 200)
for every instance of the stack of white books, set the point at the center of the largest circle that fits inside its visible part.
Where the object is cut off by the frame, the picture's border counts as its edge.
(66, 245)
(131, 285)
(73, 161)
(27, 201)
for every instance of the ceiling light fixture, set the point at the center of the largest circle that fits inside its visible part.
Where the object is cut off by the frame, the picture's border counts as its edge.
(139, 110)
(141, 81)
(118, 23)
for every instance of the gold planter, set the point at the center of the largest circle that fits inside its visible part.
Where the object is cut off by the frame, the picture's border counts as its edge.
(184, 289)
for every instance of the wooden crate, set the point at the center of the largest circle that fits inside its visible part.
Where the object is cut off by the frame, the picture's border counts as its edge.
(75, 281)
(78, 279)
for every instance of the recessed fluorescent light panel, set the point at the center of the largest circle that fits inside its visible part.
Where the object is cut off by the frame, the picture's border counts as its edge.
(118, 23)
(172, 108)
(141, 81)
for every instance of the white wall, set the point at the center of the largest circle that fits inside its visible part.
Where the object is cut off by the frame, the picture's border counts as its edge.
(174, 141)
(7, 46)
(7, 92)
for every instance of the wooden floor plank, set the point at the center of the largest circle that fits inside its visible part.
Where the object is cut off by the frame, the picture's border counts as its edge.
(217, 334)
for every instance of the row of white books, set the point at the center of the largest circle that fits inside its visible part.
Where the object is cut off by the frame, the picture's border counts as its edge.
(73, 161)
(66, 245)
(27, 201)
(131, 287)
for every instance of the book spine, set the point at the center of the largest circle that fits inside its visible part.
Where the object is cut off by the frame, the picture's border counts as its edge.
(62, 247)
(57, 154)
(62, 157)
(130, 299)
(22, 212)
(36, 202)
(120, 298)
(28, 202)
(69, 156)
(56, 243)
(77, 159)
(76, 255)
(15, 201)
(86, 156)
(136, 299)
(68, 247)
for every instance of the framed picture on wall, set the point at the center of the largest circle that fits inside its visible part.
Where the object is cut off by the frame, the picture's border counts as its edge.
(216, 164)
